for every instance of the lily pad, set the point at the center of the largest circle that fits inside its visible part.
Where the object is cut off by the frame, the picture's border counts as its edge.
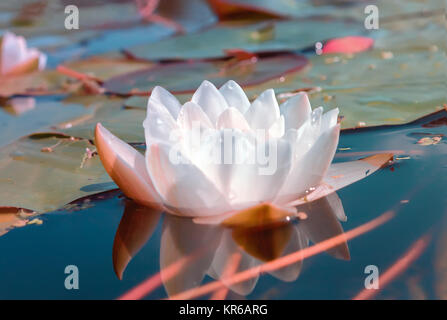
(42, 172)
(40, 116)
(183, 77)
(281, 36)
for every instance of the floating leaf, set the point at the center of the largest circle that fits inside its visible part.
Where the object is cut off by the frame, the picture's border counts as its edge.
(187, 76)
(44, 181)
(288, 36)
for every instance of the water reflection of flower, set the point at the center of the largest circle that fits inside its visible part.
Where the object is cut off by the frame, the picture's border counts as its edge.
(215, 247)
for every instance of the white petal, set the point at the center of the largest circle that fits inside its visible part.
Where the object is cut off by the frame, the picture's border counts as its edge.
(182, 186)
(309, 171)
(210, 99)
(329, 119)
(277, 129)
(264, 111)
(306, 135)
(296, 110)
(126, 166)
(232, 118)
(159, 124)
(164, 97)
(192, 116)
(235, 96)
(255, 178)
(181, 238)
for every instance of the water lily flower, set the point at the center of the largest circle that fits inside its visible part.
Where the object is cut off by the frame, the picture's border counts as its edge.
(16, 58)
(219, 153)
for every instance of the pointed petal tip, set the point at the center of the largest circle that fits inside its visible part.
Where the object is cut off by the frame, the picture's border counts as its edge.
(379, 160)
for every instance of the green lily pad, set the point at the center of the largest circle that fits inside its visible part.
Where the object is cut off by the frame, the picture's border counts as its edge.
(272, 36)
(40, 116)
(43, 172)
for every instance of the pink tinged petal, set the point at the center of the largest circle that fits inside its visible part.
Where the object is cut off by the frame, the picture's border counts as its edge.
(322, 224)
(296, 110)
(16, 58)
(210, 99)
(297, 242)
(11, 52)
(164, 97)
(264, 111)
(234, 119)
(329, 119)
(126, 166)
(137, 225)
(224, 252)
(183, 238)
(192, 116)
(235, 96)
(343, 174)
(159, 124)
(277, 129)
(309, 171)
(183, 187)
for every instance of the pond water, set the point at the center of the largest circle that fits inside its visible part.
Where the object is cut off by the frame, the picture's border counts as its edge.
(125, 250)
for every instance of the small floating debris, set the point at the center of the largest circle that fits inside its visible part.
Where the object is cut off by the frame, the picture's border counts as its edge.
(35, 221)
(386, 55)
(427, 141)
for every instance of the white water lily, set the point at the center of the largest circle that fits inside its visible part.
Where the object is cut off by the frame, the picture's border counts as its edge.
(304, 142)
(16, 58)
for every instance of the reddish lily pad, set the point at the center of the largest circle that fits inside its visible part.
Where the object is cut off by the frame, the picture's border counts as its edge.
(184, 77)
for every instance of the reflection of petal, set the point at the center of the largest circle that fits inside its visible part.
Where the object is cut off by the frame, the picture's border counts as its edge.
(126, 166)
(264, 243)
(298, 241)
(227, 248)
(322, 224)
(136, 227)
(181, 237)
